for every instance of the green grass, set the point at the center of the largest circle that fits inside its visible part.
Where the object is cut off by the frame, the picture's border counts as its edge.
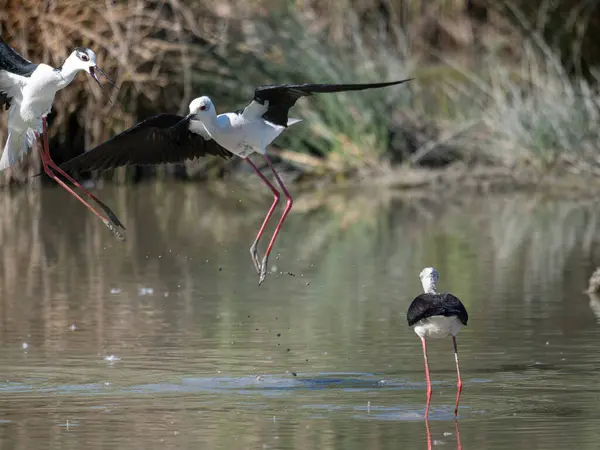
(532, 112)
(536, 114)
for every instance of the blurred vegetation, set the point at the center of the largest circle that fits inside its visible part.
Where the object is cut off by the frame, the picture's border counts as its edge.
(496, 83)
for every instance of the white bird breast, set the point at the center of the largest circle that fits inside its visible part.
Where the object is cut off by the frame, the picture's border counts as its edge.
(438, 327)
(38, 93)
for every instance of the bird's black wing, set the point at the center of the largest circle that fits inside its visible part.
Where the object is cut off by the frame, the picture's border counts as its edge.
(282, 97)
(443, 304)
(160, 139)
(14, 63)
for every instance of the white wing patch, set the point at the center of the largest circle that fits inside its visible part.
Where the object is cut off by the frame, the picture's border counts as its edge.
(255, 110)
(12, 84)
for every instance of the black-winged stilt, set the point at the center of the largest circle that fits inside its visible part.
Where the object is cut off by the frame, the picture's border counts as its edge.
(170, 138)
(436, 316)
(27, 90)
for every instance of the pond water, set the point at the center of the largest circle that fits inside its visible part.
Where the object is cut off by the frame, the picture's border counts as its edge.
(166, 340)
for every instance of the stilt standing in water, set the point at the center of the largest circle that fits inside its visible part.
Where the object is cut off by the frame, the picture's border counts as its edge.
(436, 316)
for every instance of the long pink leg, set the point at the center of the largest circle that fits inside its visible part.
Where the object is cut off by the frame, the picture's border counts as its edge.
(427, 377)
(459, 383)
(276, 195)
(288, 207)
(48, 163)
(51, 174)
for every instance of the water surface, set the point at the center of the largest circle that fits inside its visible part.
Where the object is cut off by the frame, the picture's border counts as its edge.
(166, 341)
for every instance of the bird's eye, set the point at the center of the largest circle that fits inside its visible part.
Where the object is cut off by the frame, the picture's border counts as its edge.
(84, 58)
(203, 108)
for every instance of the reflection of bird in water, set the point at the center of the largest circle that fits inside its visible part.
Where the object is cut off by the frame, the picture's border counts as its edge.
(593, 292)
(594, 286)
(436, 315)
(429, 441)
(595, 304)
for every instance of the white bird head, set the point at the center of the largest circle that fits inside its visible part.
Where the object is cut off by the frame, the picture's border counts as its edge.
(201, 106)
(83, 59)
(429, 277)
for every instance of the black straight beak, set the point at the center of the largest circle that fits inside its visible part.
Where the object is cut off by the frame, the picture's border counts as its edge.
(93, 71)
(97, 69)
(184, 121)
(95, 77)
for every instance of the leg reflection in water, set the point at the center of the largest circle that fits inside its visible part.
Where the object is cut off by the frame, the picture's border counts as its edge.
(429, 444)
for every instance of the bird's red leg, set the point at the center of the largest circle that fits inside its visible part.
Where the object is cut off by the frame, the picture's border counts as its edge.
(426, 377)
(52, 175)
(428, 434)
(288, 207)
(276, 195)
(459, 382)
(51, 164)
(45, 155)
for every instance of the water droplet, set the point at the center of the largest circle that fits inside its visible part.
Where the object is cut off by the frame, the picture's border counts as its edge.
(145, 291)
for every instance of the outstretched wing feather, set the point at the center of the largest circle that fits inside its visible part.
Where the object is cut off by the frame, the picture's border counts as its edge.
(282, 97)
(161, 139)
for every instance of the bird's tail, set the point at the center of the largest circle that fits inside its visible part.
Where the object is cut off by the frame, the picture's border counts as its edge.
(12, 150)
(292, 121)
(17, 145)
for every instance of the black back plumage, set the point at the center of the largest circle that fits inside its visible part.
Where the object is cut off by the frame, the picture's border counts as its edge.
(160, 139)
(282, 97)
(442, 304)
(12, 62)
